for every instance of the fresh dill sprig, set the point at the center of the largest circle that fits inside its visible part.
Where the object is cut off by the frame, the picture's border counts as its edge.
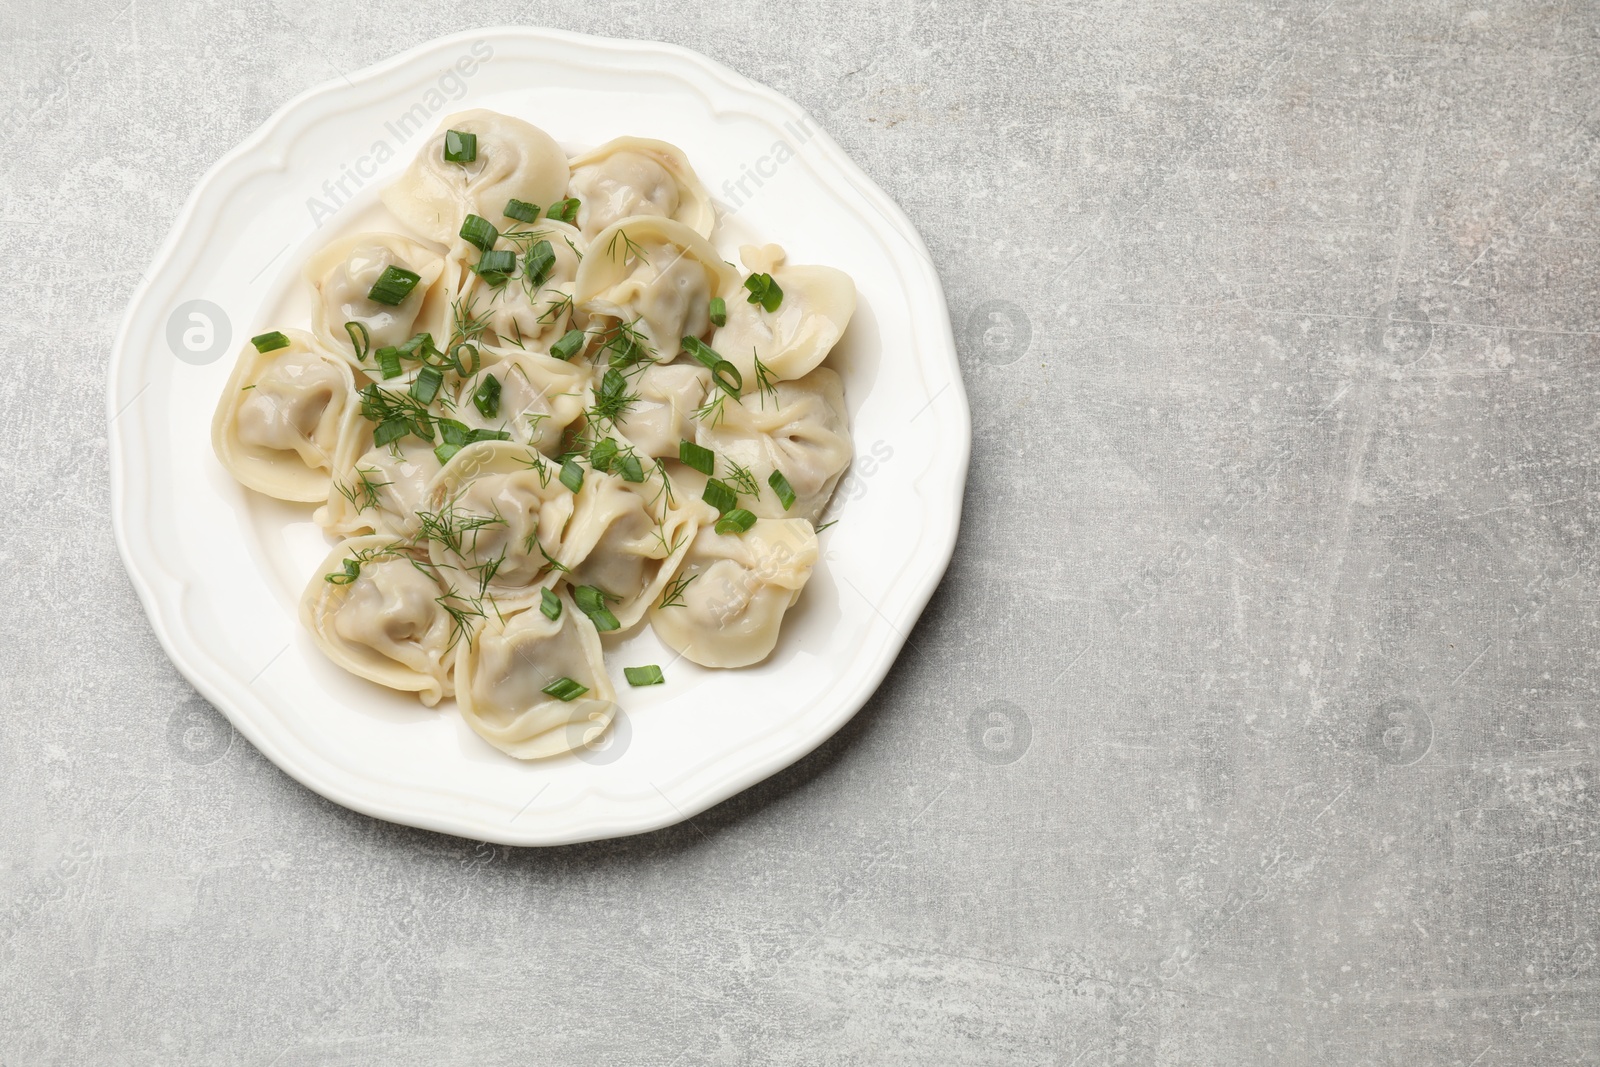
(350, 569)
(365, 489)
(612, 399)
(672, 595)
(556, 308)
(629, 248)
(742, 480)
(711, 411)
(764, 382)
(452, 527)
(555, 564)
(462, 610)
(466, 326)
(660, 469)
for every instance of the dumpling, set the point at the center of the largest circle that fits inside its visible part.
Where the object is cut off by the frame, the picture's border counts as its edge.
(535, 397)
(663, 415)
(799, 428)
(376, 613)
(342, 276)
(496, 516)
(632, 176)
(278, 422)
(816, 307)
(515, 160)
(526, 311)
(733, 590)
(656, 274)
(377, 488)
(625, 539)
(502, 678)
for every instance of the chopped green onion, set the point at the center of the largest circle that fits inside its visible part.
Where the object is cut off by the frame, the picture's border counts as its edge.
(571, 344)
(269, 342)
(479, 231)
(764, 291)
(592, 602)
(486, 398)
(649, 675)
(736, 521)
(781, 486)
(455, 433)
(697, 457)
(631, 469)
(601, 455)
(360, 339)
(572, 475)
(549, 603)
(393, 285)
(424, 341)
(488, 435)
(388, 358)
(495, 267)
(564, 210)
(565, 689)
(521, 210)
(462, 366)
(425, 386)
(537, 264)
(460, 147)
(390, 431)
(719, 496)
(350, 572)
(725, 374)
(719, 311)
(444, 452)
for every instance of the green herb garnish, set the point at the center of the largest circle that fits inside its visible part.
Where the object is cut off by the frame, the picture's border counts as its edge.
(781, 486)
(521, 210)
(479, 231)
(764, 291)
(393, 285)
(486, 398)
(269, 342)
(648, 675)
(697, 457)
(460, 147)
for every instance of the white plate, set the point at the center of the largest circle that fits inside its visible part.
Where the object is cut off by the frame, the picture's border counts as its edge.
(220, 569)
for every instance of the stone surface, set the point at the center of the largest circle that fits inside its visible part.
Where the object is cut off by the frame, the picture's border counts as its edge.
(1250, 726)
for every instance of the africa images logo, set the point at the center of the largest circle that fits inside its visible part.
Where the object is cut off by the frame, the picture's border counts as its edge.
(416, 119)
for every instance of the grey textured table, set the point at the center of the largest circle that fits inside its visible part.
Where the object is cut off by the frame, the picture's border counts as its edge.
(1255, 721)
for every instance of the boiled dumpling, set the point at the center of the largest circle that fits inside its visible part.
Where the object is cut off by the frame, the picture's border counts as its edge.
(526, 311)
(734, 590)
(279, 421)
(657, 275)
(342, 276)
(799, 429)
(534, 399)
(496, 516)
(501, 683)
(663, 415)
(626, 540)
(377, 488)
(816, 307)
(632, 176)
(377, 614)
(515, 160)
